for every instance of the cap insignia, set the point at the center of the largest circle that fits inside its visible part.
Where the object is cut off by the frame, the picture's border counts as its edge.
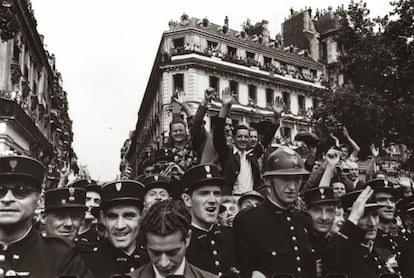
(13, 164)
(156, 178)
(294, 160)
(72, 194)
(118, 186)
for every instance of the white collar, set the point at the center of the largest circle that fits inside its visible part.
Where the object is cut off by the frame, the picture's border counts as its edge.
(179, 271)
(200, 228)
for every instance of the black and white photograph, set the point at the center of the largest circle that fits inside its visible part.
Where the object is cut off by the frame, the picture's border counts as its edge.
(163, 139)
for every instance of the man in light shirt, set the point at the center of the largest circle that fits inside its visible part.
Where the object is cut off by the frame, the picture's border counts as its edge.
(166, 229)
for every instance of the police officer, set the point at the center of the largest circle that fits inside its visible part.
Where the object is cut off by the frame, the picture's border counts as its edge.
(121, 210)
(321, 205)
(211, 247)
(157, 188)
(272, 238)
(390, 236)
(24, 251)
(64, 211)
(88, 236)
(354, 252)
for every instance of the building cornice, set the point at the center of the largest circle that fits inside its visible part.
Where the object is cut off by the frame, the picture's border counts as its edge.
(249, 45)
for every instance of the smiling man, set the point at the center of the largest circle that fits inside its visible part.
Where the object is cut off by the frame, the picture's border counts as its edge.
(321, 205)
(166, 229)
(211, 247)
(240, 164)
(64, 211)
(121, 210)
(24, 252)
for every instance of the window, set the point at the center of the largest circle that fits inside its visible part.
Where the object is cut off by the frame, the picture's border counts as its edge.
(178, 83)
(301, 104)
(211, 45)
(234, 89)
(286, 133)
(286, 100)
(179, 42)
(315, 103)
(267, 60)
(252, 95)
(231, 51)
(214, 83)
(269, 97)
(313, 73)
(250, 55)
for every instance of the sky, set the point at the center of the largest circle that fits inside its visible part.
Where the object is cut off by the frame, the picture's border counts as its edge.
(105, 51)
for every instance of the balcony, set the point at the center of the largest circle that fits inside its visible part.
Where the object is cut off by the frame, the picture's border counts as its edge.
(249, 66)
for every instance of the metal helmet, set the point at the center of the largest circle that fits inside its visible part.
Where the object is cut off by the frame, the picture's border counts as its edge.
(284, 162)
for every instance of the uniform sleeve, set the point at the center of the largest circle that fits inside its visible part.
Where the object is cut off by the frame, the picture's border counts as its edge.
(75, 265)
(198, 133)
(244, 250)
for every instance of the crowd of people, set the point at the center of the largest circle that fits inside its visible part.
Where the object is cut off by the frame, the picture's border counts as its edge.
(223, 203)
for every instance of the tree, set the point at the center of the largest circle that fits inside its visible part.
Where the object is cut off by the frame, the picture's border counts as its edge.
(377, 102)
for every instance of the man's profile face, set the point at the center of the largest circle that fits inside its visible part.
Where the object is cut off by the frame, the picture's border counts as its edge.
(167, 252)
(369, 223)
(122, 226)
(64, 222)
(17, 207)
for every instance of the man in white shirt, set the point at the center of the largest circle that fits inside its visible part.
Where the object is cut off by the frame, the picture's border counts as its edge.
(166, 229)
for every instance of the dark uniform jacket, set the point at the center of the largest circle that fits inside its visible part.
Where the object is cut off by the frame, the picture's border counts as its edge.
(321, 244)
(213, 251)
(272, 240)
(349, 256)
(38, 256)
(231, 162)
(190, 271)
(398, 242)
(88, 240)
(107, 260)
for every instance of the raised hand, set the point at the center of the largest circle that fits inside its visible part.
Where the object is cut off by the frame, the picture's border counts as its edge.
(374, 150)
(345, 132)
(332, 157)
(179, 98)
(335, 139)
(227, 97)
(278, 106)
(358, 207)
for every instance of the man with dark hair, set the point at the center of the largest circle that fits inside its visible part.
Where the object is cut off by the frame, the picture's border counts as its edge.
(211, 247)
(240, 164)
(121, 210)
(166, 231)
(24, 252)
